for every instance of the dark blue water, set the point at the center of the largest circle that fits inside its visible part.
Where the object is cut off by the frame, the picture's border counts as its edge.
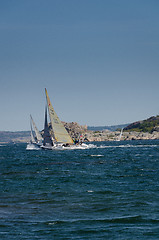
(107, 192)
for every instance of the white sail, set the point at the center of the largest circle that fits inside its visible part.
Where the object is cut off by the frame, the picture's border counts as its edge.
(120, 135)
(60, 133)
(38, 135)
(31, 133)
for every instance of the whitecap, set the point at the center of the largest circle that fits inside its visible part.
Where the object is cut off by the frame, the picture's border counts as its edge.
(97, 155)
(32, 147)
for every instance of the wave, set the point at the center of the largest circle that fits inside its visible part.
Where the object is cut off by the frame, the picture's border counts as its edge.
(32, 147)
(128, 146)
(83, 146)
(125, 219)
(91, 146)
(97, 155)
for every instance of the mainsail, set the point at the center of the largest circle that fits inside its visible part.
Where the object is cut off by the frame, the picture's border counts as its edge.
(38, 135)
(60, 133)
(121, 134)
(47, 136)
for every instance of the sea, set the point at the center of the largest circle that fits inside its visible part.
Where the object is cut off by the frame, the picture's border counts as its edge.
(107, 191)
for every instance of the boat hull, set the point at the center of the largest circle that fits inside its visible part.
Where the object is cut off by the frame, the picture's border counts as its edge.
(60, 146)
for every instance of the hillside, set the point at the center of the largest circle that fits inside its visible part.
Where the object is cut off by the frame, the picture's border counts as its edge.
(19, 136)
(149, 125)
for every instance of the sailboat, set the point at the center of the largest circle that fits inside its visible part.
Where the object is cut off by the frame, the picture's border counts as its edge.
(59, 138)
(119, 138)
(37, 139)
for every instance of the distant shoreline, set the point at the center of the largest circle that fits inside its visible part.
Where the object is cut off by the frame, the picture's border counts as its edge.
(87, 136)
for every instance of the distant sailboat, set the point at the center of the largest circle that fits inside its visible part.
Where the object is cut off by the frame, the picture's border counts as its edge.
(119, 138)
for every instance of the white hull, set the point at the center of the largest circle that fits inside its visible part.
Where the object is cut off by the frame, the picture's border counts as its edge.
(46, 147)
(62, 147)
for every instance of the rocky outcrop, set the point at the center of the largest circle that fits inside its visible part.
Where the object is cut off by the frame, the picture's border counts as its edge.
(75, 130)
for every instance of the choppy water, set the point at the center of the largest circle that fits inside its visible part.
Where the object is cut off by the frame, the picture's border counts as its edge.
(110, 191)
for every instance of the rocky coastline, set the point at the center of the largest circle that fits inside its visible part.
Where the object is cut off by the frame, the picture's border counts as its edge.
(114, 136)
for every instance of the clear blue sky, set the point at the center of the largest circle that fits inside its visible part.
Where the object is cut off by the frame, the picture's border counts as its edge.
(98, 59)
